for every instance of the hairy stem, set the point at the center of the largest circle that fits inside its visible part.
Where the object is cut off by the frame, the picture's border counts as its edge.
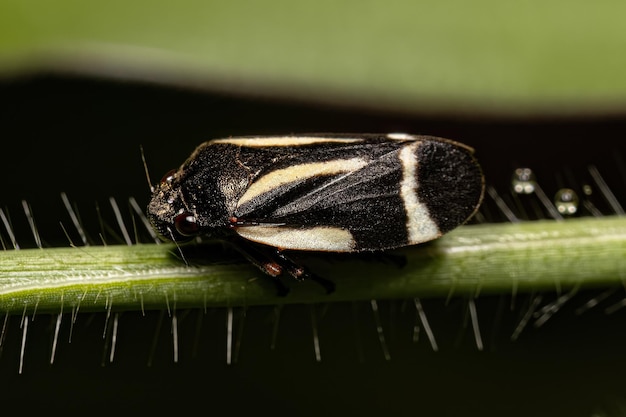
(529, 256)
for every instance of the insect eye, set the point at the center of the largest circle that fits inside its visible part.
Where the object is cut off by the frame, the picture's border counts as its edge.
(168, 176)
(186, 224)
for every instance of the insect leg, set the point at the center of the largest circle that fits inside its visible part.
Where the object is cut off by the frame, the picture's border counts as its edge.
(266, 264)
(300, 273)
(275, 263)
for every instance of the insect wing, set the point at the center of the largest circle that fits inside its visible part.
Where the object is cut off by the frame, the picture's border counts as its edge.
(362, 194)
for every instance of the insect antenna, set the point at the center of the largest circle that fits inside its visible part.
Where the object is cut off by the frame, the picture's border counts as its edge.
(145, 168)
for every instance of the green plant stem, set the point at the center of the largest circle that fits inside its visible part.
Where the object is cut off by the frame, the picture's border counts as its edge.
(493, 258)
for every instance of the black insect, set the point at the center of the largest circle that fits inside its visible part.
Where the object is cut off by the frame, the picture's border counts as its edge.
(331, 192)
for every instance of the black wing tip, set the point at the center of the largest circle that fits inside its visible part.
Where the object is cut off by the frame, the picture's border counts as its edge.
(451, 183)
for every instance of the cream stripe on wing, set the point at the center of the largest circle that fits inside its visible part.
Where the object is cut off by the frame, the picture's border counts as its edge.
(420, 226)
(401, 136)
(282, 141)
(322, 238)
(299, 172)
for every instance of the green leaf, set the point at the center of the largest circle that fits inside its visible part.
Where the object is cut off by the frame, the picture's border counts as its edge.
(487, 55)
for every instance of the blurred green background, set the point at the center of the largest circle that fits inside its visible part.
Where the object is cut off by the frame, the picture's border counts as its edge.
(530, 56)
(83, 84)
